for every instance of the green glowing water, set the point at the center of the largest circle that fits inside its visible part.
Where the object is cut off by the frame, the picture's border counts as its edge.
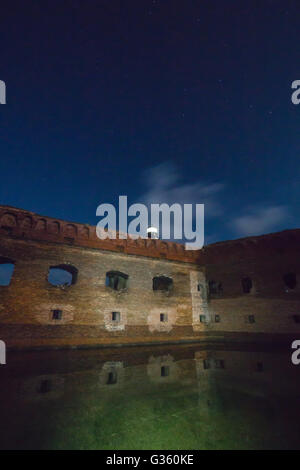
(143, 398)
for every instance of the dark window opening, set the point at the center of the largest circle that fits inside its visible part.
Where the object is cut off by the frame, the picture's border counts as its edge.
(215, 287)
(57, 314)
(62, 275)
(112, 377)
(217, 318)
(7, 230)
(69, 240)
(115, 316)
(296, 318)
(290, 280)
(202, 318)
(247, 285)
(164, 371)
(219, 364)
(7, 267)
(206, 364)
(116, 280)
(162, 283)
(251, 319)
(45, 386)
(163, 317)
(259, 367)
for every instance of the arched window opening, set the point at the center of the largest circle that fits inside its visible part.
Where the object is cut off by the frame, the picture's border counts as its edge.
(247, 285)
(116, 280)
(62, 275)
(162, 283)
(215, 287)
(7, 267)
(45, 386)
(57, 314)
(290, 280)
(219, 364)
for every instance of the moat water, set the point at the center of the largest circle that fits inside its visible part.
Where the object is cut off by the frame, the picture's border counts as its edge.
(183, 397)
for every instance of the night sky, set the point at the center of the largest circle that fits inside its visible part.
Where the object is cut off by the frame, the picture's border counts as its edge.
(160, 100)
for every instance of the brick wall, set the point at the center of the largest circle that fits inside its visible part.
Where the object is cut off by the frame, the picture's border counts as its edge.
(35, 243)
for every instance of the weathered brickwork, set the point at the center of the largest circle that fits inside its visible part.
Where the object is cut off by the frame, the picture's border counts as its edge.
(210, 297)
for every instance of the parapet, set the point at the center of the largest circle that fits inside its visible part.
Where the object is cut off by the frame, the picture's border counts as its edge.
(22, 224)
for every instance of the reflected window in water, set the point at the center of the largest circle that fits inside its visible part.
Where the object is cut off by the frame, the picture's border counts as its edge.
(259, 366)
(112, 377)
(45, 386)
(290, 280)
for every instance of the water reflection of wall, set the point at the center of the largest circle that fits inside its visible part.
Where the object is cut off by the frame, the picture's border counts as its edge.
(43, 387)
(253, 372)
(163, 369)
(117, 391)
(112, 374)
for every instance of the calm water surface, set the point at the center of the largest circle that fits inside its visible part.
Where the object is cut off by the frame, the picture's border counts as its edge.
(183, 397)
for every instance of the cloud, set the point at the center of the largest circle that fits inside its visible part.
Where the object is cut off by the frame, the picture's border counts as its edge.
(163, 185)
(260, 220)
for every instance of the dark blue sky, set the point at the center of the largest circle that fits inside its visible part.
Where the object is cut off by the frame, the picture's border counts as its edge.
(185, 100)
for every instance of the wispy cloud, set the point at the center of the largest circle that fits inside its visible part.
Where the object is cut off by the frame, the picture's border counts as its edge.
(260, 220)
(163, 185)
